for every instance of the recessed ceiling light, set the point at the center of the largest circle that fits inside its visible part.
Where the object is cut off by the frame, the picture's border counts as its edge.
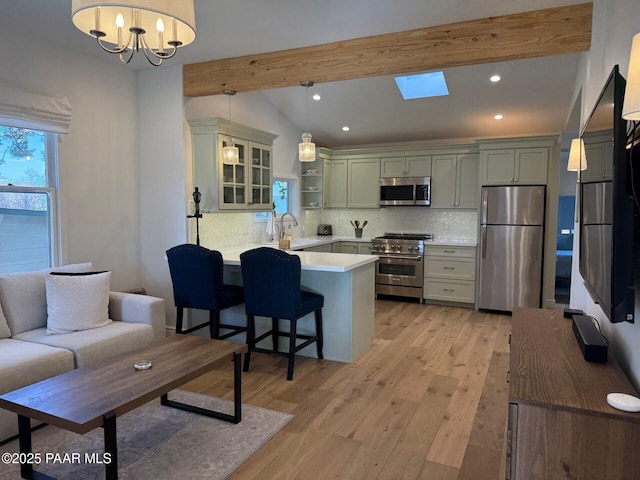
(498, 116)
(495, 78)
(316, 97)
(422, 85)
(345, 128)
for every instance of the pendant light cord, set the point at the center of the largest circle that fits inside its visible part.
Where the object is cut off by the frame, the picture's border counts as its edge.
(306, 121)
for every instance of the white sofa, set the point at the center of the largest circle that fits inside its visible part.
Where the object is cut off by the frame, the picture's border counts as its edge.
(28, 354)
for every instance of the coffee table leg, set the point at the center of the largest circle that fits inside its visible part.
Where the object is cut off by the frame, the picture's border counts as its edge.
(24, 439)
(237, 398)
(110, 446)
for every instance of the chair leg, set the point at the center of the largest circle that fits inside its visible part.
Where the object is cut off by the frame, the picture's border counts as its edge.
(214, 323)
(179, 315)
(275, 329)
(251, 343)
(292, 349)
(319, 340)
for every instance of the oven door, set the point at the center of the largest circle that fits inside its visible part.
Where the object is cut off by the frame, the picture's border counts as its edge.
(400, 270)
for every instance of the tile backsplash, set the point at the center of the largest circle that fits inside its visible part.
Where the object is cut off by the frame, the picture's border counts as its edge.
(228, 230)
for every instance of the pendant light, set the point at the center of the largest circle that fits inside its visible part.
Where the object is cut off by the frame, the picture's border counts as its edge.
(230, 153)
(307, 149)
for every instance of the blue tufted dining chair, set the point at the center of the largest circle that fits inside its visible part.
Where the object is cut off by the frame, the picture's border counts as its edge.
(197, 277)
(271, 281)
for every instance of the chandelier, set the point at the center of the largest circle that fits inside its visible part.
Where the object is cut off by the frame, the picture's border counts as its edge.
(307, 149)
(157, 27)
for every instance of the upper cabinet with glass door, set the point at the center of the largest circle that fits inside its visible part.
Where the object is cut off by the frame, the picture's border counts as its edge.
(245, 185)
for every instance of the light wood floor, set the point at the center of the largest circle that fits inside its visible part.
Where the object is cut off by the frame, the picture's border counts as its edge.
(428, 401)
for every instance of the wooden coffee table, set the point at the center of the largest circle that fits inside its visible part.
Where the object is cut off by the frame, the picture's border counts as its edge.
(94, 396)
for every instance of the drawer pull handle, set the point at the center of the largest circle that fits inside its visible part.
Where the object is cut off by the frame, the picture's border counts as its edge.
(448, 290)
(449, 251)
(449, 268)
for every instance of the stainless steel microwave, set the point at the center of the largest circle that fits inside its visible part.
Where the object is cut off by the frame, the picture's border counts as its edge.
(405, 191)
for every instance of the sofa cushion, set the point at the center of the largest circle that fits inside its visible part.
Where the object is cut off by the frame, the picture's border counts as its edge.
(77, 301)
(23, 363)
(5, 331)
(90, 346)
(23, 296)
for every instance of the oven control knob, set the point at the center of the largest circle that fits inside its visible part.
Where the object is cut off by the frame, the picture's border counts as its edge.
(399, 247)
(410, 249)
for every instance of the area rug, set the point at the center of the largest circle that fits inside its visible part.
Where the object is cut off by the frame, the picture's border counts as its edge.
(157, 442)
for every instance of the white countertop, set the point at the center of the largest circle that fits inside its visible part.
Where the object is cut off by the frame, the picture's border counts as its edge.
(317, 261)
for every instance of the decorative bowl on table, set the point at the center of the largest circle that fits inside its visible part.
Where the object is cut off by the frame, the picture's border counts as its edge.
(313, 204)
(312, 188)
(311, 171)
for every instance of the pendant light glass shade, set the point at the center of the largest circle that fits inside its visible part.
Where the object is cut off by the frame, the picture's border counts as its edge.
(577, 156)
(306, 148)
(230, 153)
(631, 105)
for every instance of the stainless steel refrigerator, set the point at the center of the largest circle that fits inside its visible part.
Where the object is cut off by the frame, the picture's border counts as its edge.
(511, 247)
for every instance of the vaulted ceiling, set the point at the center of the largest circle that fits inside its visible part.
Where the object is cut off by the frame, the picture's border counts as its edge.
(534, 96)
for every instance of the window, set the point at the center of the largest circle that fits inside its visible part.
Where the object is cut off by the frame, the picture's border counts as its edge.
(281, 189)
(284, 196)
(27, 199)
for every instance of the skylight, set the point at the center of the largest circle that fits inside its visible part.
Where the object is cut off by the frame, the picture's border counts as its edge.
(422, 85)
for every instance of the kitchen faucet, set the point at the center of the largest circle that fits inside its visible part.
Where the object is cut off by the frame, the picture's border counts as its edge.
(281, 229)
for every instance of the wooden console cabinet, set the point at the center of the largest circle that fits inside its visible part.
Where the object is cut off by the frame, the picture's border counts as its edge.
(560, 425)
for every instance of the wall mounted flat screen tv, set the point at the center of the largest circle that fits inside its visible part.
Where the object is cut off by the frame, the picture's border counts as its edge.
(606, 206)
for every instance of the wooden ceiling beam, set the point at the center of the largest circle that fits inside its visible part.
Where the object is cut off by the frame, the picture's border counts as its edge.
(539, 33)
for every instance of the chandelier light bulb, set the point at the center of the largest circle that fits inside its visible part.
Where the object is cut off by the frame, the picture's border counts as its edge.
(160, 25)
(119, 20)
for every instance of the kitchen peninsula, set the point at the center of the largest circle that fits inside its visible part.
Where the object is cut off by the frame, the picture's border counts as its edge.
(347, 282)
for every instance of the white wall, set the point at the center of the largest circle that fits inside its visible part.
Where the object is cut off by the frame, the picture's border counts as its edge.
(165, 163)
(614, 24)
(98, 159)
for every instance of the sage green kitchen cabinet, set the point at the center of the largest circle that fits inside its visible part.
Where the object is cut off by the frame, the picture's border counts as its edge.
(525, 166)
(454, 181)
(326, 183)
(245, 186)
(348, 247)
(449, 274)
(338, 184)
(312, 184)
(364, 248)
(363, 190)
(411, 166)
(320, 248)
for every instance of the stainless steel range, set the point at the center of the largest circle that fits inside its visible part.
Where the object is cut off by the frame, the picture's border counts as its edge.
(400, 270)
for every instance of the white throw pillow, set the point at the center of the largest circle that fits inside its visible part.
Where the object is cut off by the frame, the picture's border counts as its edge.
(24, 299)
(5, 332)
(77, 302)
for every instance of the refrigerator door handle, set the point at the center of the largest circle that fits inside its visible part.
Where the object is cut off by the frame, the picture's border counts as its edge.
(485, 202)
(484, 241)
